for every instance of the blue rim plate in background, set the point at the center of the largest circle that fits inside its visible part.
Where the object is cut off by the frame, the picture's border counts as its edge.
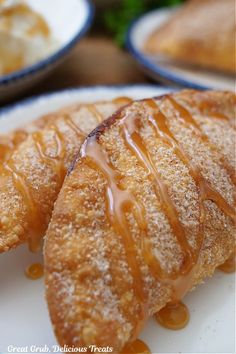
(169, 72)
(77, 14)
(24, 319)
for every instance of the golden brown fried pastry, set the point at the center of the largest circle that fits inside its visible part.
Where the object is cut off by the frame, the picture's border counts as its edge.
(9, 142)
(146, 213)
(202, 33)
(32, 177)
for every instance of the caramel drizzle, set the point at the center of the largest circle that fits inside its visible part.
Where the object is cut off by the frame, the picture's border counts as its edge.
(7, 144)
(134, 142)
(37, 222)
(58, 159)
(5, 149)
(121, 201)
(69, 121)
(60, 169)
(22, 186)
(160, 123)
(122, 100)
(93, 109)
(186, 116)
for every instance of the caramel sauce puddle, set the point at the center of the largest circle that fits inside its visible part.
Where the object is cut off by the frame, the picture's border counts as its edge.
(173, 316)
(34, 271)
(136, 347)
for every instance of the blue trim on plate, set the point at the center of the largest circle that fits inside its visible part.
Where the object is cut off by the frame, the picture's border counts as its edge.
(43, 64)
(148, 64)
(27, 101)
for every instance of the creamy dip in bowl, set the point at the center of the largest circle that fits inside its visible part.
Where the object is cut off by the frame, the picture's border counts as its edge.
(35, 36)
(25, 36)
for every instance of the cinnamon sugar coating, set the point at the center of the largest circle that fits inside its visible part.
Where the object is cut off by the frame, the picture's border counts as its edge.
(146, 213)
(33, 173)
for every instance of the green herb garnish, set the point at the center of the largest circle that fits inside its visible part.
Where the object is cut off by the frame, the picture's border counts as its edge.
(118, 19)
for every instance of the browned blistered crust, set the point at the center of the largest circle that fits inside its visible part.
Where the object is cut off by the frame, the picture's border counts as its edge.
(90, 289)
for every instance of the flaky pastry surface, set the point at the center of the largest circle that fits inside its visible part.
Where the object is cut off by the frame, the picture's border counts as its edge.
(32, 176)
(134, 226)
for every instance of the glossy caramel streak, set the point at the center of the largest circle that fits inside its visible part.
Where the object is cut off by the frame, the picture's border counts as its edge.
(35, 218)
(119, 201)
(122, 100)
(55, 162)
(61, 148)
(95, 112)
(8, 143)
(69, 121)
(160, 123)
(207, 192)
(6, 148)
(186, 116)
(34, 215)
(134, 142)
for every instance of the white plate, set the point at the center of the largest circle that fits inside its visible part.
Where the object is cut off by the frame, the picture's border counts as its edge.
(168, 72)
(24, 320)
(68, 21)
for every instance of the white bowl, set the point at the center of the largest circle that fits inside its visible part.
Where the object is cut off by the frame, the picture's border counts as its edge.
(68, 20)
